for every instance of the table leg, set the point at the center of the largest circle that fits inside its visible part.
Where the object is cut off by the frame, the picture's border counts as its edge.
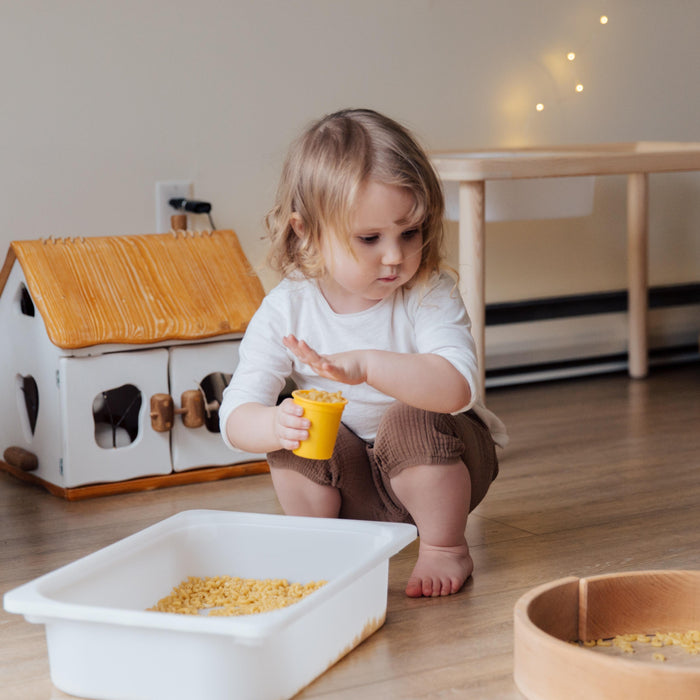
(637, 270)
(472, 266)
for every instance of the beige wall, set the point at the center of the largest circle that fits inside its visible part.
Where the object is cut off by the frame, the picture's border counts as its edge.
(102, 98)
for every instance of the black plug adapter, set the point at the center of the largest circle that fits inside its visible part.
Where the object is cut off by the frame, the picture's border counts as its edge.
(194, 206)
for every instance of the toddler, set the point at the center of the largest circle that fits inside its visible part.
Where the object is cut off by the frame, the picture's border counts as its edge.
(366, 307)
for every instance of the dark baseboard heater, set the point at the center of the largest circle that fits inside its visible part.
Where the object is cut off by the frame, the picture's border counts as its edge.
(578, 335)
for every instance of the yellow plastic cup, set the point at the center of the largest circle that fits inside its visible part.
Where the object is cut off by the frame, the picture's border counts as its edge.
(325, 421)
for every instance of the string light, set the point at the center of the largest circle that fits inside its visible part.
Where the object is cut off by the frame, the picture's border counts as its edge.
(571, 56)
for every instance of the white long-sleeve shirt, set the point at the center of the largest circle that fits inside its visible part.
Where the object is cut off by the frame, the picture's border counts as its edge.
(424, 319)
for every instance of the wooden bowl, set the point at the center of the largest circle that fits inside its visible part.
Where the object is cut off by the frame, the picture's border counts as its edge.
(547, 618)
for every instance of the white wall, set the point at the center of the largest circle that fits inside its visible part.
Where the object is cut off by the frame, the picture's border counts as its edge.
(102, 98)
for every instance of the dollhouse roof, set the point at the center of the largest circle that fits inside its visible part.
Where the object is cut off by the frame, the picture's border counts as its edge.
(138, 289)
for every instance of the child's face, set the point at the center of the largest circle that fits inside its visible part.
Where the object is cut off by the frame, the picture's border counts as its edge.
(387, 250)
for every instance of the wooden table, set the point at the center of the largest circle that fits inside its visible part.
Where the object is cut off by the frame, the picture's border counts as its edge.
(636, 160)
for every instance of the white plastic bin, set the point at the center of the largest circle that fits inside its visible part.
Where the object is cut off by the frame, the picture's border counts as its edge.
(103, 643)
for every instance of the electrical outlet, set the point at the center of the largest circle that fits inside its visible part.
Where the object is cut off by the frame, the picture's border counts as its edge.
(165, 191)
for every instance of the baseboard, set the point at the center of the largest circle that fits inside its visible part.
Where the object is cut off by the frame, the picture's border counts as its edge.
(586, 334)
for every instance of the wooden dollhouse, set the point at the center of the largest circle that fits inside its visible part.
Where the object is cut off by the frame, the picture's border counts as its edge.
(115, 353)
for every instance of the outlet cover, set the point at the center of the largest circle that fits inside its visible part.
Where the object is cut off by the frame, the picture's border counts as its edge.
(165, 191)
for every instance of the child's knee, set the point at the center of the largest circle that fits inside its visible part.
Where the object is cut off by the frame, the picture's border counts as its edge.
(409, 436)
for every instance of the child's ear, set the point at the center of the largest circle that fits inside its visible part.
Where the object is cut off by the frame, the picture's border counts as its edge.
(297, 224)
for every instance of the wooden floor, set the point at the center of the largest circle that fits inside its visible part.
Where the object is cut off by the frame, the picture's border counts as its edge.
(602, 475)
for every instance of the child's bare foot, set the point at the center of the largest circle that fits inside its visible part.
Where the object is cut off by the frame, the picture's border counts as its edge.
(439, 570)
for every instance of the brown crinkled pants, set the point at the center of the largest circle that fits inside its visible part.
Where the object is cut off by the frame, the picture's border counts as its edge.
(406, 437)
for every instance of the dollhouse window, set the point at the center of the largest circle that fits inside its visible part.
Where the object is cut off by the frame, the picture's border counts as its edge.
(29, 402)
(212, 387)
(26, 305)
(116, 415)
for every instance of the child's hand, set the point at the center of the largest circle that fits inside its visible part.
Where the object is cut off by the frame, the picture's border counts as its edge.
(290, 426)
(347, 367)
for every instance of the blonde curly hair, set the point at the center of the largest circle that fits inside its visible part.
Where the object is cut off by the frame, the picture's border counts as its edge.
(326, 168)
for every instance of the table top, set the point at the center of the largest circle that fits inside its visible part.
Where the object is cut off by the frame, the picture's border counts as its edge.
(567, 160)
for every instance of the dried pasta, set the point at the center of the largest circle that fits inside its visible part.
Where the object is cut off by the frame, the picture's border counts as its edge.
(688, 641)
(226, 595)
(323, 396)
